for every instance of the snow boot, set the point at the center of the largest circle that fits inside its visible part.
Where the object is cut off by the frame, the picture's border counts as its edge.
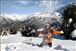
(50, 44)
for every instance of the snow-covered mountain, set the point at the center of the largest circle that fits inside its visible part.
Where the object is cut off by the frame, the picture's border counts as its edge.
(44, 18)
(5, 21)
(39, 19)
(22, 17)
(14, 16)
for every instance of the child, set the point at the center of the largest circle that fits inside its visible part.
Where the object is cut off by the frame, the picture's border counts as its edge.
(52, 31)
(47, 39)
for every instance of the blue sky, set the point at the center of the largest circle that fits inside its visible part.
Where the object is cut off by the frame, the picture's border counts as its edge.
(31, 6)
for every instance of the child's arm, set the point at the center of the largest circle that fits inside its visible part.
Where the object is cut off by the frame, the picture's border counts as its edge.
(58, 32)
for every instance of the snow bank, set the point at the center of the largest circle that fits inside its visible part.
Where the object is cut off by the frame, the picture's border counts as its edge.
(17, 43)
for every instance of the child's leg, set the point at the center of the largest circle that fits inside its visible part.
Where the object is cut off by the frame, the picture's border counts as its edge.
(42, 44)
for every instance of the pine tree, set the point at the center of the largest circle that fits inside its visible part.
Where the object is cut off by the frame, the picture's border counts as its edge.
(69, 12)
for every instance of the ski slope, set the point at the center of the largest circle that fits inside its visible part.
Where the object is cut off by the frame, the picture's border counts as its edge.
(18, 43)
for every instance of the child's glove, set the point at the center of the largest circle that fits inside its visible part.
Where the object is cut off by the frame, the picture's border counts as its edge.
(62, 32)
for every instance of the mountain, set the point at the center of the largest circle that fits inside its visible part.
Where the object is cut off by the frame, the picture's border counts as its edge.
(14, 16)
(5, 21)
(43, 18)
(40, 19)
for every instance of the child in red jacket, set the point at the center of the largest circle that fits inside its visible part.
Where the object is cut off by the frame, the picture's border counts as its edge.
(47, 39)
(51, 32)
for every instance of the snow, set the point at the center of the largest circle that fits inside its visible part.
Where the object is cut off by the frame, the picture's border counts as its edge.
(73, 33)
(70, 20)
(40, 29)
(15, 16)
(23, 17)
(19, 43)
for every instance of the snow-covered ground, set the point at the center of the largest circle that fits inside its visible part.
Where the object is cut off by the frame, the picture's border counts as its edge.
(18, 43)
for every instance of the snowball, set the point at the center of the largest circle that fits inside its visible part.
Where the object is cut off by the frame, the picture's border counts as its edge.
(62, 32)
